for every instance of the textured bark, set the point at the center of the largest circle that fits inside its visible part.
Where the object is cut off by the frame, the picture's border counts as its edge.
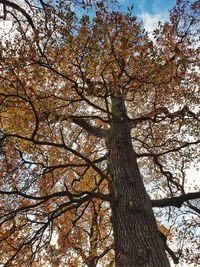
(137, 241)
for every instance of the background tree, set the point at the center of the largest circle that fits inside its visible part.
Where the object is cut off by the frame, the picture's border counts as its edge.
(86, 102)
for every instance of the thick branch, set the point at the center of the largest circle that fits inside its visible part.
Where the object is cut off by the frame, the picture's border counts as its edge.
(174, 201)
(96, 131)
(58, 194)
(167, 248)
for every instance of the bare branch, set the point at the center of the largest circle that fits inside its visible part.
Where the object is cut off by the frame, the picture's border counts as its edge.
(175, 201)
(57, 194)
(168, 151)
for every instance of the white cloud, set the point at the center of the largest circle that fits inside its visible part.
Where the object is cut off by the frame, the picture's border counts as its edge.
(150, 21)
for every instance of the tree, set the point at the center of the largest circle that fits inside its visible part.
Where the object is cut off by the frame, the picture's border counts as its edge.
(91, 110)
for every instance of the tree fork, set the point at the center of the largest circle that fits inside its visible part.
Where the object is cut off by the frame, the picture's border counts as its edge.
(136, 237)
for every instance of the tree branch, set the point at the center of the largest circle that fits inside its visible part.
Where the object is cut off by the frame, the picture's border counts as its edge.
(156, 115)
(58, 194)
(58, 145)
(168, 249)
(167, 151)
(174, 201)
(96, 131)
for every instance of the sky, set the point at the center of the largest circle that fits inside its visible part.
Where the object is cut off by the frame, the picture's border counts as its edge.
(150, 6)
(149, 11)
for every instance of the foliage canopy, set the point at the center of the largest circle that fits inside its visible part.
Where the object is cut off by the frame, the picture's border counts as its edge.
(60, 76)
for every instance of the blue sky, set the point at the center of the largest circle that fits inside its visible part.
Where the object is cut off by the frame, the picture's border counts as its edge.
(150, 6)
(149, 11)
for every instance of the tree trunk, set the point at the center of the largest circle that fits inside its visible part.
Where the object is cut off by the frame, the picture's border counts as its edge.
(136, 237)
